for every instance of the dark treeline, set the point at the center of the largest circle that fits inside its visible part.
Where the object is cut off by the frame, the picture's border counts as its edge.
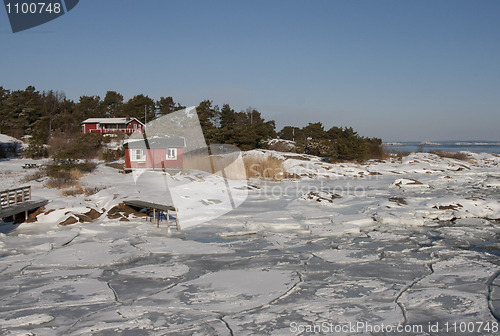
(39, 114)
(337, 143)
(43, 114)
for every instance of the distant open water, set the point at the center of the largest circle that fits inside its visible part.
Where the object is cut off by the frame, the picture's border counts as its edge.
(447, 146)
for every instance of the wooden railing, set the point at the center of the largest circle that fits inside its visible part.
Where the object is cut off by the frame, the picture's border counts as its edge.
(12, 197)
(127, 131)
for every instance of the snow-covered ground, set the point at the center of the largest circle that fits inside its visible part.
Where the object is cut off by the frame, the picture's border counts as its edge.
(345, 249)
(5, 139)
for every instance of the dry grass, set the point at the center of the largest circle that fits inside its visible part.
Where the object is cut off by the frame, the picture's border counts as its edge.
(264, 167)
(69, 171)
(451, 155)
(79, 190)
(60, 183)
(73, 191)
(75, 174)
(34, 175)
(232, 167)
(88, 191)
(64, 179)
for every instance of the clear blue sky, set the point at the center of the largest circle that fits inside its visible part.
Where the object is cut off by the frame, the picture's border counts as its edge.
(399, 70)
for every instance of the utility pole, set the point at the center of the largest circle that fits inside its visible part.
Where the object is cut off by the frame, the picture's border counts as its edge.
(145, 121)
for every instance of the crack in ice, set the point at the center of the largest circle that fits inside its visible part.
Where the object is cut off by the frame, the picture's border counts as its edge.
(227, 325)
(408, 287)
(490, 290)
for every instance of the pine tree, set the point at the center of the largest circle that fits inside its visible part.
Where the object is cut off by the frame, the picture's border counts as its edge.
(314, 131)
(139, 105)
(113, 103)
(208, 116)
(89, 107)
(20, 110)
(166, 105)
(52, 101)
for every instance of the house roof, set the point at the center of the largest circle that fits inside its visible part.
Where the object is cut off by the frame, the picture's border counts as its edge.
(156, 143)
(109, 121)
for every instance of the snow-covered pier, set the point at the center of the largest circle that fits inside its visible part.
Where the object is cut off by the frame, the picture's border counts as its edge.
(157, 210)
(18, 200)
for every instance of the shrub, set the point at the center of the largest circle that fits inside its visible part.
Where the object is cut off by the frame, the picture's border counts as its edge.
(58, 143)
(70, 171)
(34, 175)
(73, 191)
(282, 145)
(322, 148)
(92, 190)
(35, 150)
(451, 155)
(66, 175)
(77, 147)
(109, 155)
(338, 143)
(77, 189)
(376, 150)
(60, 183)
(402, 154)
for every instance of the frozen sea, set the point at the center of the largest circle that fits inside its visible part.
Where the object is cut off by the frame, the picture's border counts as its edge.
(344, 250)
(447, 146)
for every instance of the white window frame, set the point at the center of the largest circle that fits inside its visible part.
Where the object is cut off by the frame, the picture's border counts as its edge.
(137, 154)
(174, 152)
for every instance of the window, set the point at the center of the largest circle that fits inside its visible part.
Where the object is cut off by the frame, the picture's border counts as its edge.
(171, 153)
(137, 155)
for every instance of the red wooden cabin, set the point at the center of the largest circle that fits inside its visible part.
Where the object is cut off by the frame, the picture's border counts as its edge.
(112, 125)
(158, 153)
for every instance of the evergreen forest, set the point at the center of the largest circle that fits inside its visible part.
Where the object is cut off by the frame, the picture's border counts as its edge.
(44, 115)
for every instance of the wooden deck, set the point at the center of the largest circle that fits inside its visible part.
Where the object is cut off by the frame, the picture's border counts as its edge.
(18, 200)
(22, 207)
(157, 211)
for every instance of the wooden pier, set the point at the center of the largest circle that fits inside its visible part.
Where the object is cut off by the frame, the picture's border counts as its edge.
(157, 211)
(18, 200)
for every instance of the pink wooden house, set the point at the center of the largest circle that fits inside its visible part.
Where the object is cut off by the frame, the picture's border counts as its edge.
(158, 153)
(112, 125)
